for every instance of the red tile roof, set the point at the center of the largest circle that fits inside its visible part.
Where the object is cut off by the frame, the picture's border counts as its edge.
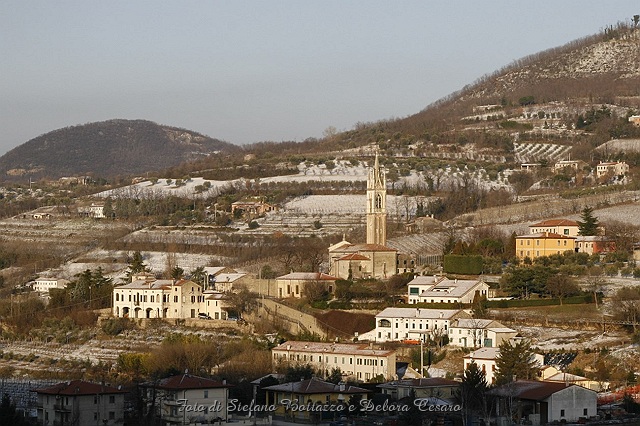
(78, 387)
(187, 381)
(315, 386)
(354, 256)
(531, 390)
(555, 222)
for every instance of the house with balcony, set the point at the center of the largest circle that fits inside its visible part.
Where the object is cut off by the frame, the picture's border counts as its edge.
(167, 398)
(78, 402)
(415, 324)
(357, 361)
(146, 297)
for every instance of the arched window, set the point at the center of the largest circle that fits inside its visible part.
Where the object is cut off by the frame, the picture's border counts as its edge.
(378, 201)
(384, 323)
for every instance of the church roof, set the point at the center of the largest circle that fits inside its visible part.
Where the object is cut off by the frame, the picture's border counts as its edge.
(354, 256)
(359, 248)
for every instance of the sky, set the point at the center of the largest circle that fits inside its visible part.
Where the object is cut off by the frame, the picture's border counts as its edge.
(250, 71)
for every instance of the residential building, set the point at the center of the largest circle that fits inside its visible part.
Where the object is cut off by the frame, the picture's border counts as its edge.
(94, 210)
(594, 385)
(611, 169)
(566, 227)
(168, 397)
(80, 403)
(478, 333)
(421, 388)
(398, 324)
(215, 305)
(357, 361)
(293, 284)
(309, 393)
(575, 165)
(530, 166)
(594, 244)
(151, 298)
(543, 244)
(251, 208)
(212, 272)
(541, 403)
(485, 359)
(44, 284)
(227, 282)
(439, 289)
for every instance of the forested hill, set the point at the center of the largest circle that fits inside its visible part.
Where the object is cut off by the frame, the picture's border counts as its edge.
(107, 149)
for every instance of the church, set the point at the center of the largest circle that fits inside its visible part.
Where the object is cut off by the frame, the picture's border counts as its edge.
(372, 259)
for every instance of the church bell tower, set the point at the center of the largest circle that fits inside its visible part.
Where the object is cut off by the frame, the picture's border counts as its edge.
(376, 205)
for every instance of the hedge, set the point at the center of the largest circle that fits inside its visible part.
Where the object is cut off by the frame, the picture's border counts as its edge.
(459, 264)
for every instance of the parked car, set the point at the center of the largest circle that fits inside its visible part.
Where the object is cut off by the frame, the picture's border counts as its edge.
(202, 315)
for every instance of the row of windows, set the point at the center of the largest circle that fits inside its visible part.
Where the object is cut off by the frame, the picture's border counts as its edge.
(327, 359)
(538, 242)
(137, 298)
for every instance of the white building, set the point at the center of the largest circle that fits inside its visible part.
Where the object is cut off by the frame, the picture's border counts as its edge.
(438, 289)
(397, 324)
(478, 333)
(293, 284)
(151, 298)
(43, 285)
(81, 403)
(485, 359)
(356, 361)
(614, 168)
(226, 282)
(566, 227)
(174, 393)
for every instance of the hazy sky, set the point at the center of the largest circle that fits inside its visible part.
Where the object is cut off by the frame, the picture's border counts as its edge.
(248, 71)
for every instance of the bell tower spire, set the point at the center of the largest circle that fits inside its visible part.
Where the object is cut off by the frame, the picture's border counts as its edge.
(376, 205)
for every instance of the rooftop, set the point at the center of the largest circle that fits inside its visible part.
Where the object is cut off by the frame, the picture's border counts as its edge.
(418, 313)
(316, 386)
(361, 349)
(78, 387)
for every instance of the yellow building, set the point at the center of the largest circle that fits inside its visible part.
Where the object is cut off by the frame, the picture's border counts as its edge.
(543, 244)
(313, 400)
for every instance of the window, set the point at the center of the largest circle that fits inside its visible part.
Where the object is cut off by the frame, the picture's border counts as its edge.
(561, 413)
(112, 399)
(112, 415)
(117, 297)
(206, 394)
(95, 399)
(585, 412)
(414, 290)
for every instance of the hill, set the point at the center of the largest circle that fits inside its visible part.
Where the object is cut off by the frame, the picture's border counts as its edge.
(107, 149)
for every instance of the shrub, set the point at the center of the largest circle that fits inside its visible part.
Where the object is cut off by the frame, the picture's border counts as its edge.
(115, 326)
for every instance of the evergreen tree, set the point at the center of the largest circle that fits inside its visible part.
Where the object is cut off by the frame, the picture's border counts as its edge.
(589, 223)
(472, 392)
(515, 361)
(197, 275)
(136, 265)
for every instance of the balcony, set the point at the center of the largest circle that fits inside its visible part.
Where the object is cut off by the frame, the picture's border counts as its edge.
(62, 408)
